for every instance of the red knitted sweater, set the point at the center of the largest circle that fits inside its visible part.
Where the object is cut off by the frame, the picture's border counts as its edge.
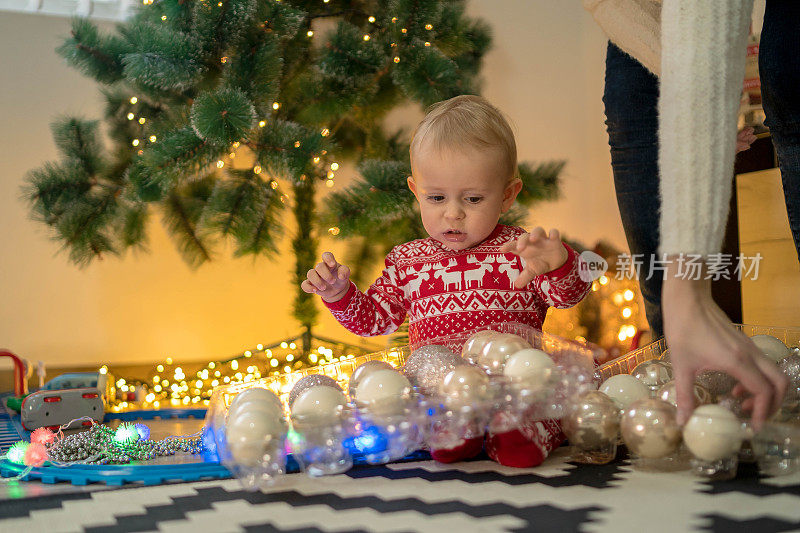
(446, 292)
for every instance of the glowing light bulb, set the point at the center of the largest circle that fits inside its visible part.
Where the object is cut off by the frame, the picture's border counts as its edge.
(131, 116)
(262, 123)
(366, 37)
(276, 105)
(134, 99)
(310, 33)
(220, 163)
(333, 231)
(396, 59)
(626, 313)
(428, 27)
(329, 183)
(135, 142)
(235, 364)
(142, 120)
(371, 19)
(292, 345)
(152, 138)
(325, 132)
(628, 295)
(273, 363)
(168, 360)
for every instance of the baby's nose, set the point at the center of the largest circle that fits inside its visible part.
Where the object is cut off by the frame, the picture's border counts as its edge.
(454, 211)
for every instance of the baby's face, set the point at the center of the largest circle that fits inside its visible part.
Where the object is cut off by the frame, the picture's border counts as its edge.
(461, 195)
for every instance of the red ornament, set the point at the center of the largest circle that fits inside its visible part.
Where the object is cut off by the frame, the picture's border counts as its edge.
(42, 435)
(35, 455)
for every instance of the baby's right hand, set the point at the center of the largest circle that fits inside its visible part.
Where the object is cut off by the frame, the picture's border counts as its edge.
(329, 279)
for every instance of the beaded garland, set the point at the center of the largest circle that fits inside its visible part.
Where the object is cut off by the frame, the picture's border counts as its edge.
(99, 446)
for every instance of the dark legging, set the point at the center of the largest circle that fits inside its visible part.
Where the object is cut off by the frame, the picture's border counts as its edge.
(631, 104)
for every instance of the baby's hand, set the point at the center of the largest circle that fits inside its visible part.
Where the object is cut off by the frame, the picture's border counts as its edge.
(329, 279)
(744, 139)
(540, 252)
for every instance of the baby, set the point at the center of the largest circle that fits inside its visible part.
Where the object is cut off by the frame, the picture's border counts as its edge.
(470, 271)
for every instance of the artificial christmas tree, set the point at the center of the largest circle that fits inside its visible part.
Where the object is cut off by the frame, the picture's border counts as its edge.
(219, 113)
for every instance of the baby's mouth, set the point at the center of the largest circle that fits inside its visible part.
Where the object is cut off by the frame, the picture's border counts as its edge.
(454, 235)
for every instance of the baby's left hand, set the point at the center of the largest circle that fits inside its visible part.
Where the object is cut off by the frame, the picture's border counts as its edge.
(541, 253)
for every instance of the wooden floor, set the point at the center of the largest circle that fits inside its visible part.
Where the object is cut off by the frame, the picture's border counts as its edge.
(774, 297)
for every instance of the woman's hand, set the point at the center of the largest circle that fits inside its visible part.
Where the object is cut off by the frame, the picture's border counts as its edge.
(701, 337)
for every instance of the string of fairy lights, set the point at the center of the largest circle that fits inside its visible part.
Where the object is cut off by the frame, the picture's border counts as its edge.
(172, 384)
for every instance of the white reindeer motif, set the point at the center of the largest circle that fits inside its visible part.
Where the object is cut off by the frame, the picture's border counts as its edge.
(507, 266)
(415, 282)
(449, 278)
(477, 274)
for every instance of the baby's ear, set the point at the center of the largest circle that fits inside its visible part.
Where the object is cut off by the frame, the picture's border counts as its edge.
(510, 193)
(412, 185)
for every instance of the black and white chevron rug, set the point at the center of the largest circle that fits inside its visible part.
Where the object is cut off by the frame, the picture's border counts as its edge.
(427, 496)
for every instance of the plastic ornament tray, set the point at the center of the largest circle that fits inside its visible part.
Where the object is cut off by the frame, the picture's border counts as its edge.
(626, 363)
(572, 355)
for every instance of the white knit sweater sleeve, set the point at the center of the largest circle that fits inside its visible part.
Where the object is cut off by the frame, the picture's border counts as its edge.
(702, 68)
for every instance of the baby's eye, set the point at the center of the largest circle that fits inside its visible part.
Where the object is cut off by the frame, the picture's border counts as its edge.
(436, 198)
(474, 199)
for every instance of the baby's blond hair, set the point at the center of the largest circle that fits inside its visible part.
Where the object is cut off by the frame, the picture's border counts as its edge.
(467, 121)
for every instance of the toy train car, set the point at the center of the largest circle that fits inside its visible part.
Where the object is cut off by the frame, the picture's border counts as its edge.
(55, 408)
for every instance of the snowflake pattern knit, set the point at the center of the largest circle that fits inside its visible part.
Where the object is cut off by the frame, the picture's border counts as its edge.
(445, 292)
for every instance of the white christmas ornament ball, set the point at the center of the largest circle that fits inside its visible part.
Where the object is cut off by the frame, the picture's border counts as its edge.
(249, 433)
(713, 433)
(773, 348)
(531, 366)
(624, 389)
(255, 396)
(319, 400)
(363, 370)
(498, 349)
(383, 390)
(465, 385)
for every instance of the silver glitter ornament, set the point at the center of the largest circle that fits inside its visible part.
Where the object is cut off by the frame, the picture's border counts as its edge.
(426, 367)
(363, 370)
(790, 366)
(309, 381)
(718, 383)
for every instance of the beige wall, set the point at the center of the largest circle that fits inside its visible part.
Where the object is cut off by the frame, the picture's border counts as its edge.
(545, 71)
